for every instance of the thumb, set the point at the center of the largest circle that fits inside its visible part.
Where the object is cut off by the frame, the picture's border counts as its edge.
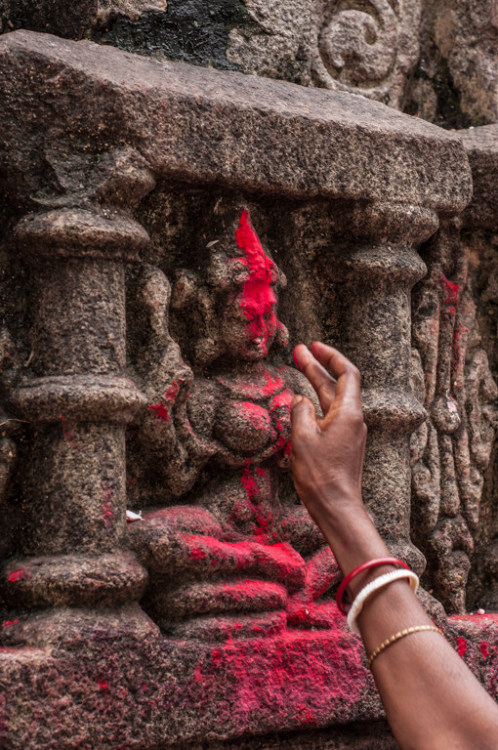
(303, 417)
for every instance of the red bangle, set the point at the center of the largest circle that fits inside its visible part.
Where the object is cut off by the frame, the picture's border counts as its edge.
(361, 569)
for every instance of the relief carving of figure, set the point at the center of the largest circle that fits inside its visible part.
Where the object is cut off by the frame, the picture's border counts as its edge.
(230, 552)
(451, 451)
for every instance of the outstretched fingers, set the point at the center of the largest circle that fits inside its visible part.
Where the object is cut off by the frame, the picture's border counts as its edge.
(348, 384)
(303, 424)
(320, 379)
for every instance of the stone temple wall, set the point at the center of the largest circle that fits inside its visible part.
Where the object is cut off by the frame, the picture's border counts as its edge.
(187, 189)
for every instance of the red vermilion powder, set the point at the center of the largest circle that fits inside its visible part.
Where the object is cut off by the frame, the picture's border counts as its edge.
(258, 298)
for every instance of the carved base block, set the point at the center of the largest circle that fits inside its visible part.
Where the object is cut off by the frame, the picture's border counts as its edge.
(114, 686)
(131, 689)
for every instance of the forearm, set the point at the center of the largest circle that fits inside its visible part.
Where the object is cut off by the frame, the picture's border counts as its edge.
(432, 700)
(419, 675)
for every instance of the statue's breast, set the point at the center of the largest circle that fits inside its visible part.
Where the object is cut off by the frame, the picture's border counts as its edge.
(244, 426)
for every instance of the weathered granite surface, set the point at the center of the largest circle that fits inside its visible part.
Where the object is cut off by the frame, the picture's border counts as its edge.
(138, 371)
(122, 176)
(74, 19)
(435, 60)
(479, 240)
(455, 79)
(187, 123)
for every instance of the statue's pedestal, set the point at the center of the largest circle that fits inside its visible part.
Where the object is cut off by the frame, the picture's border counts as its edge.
(139, 690)
(131, 688)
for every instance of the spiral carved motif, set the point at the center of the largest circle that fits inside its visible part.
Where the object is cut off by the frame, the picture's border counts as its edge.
(357, 45)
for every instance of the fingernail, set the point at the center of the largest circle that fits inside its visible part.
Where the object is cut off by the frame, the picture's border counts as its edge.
(296, 400)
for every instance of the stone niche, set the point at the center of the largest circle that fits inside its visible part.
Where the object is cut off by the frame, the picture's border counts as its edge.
(168, 232)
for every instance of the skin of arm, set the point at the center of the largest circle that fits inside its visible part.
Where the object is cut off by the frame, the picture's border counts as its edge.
(432, 700)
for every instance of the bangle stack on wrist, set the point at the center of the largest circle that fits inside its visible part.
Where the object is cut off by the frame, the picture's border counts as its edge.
(375, 585)
(369, 565)
(353, 610)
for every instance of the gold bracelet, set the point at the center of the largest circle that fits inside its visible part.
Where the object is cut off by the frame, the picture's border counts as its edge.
(396, 637)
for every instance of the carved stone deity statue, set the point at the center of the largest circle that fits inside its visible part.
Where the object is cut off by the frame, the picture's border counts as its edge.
(231, 552)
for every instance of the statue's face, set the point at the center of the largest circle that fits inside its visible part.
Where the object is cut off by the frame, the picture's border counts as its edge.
(249, 325)
(249, 319)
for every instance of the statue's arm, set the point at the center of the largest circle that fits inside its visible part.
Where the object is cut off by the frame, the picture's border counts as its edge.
(173, 444)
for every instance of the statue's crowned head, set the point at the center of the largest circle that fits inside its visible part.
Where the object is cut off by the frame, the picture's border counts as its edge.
(237, 298)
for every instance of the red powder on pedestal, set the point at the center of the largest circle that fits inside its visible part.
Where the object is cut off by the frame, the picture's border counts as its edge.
(484, 647)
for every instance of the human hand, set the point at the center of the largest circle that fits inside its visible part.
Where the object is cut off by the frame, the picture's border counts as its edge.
(327, 454)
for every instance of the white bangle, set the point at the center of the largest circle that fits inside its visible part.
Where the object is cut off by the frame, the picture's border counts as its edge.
(375, 585)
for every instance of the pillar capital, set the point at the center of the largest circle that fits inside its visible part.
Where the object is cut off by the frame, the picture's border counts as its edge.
(81, 233)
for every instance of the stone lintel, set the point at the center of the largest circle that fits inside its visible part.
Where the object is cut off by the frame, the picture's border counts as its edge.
(481, 145)
(59, 98)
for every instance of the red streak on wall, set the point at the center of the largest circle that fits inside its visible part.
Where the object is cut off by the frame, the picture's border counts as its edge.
(170, 394)
(451, 290)
(249, 483)
(67, 432)
(461, 646)
(107, 509)
(9, 623)
(172, 391)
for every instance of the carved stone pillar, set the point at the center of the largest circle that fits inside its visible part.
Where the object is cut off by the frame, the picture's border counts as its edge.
(78, 401)
(378, 275)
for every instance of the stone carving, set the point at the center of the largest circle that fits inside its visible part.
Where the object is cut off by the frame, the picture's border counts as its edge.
(451, 452)
(81, 640)
(367, 47)
(455, 83)
(231, 559)
(361, 47)
(358, 45)
(75, 396)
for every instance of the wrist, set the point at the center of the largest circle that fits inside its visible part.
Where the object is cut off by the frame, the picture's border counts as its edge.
(352, 536)
(333, 503)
